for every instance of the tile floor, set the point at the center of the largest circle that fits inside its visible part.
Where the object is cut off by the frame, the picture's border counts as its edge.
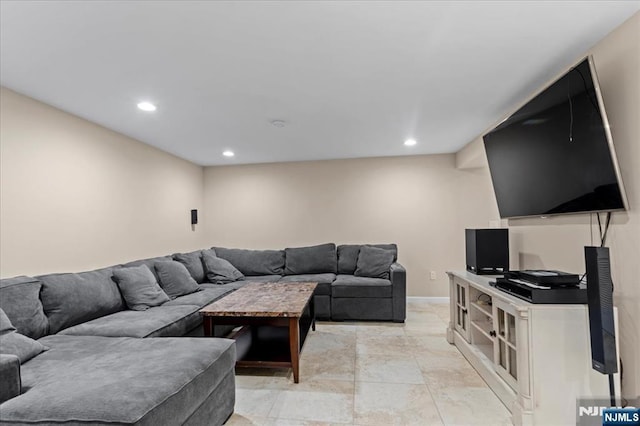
(373, 374)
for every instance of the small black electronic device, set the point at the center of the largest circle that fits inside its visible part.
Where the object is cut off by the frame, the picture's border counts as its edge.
(601, 320)
(545, 277)
(194, 217)
(534, 293)
(487, 251)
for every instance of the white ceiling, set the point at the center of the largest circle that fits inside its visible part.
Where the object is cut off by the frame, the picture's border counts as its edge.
(351, 79)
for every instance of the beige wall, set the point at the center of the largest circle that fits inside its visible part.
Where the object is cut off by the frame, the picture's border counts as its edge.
(412, 201)
(557, 242)
(76, 196)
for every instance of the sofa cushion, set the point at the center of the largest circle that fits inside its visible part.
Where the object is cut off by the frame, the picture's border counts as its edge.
(324, 281)
(193, 262)
(160, 321)
(348, 256)
(374, 262)
(361, 309)
(175, 279)
(70, 299)
(14, 343)
(220, 271)
(254, 262)
(352, 286)
(311, 260)
(201, 298)
(10, 373)
(20, 300)
(148, 263)
(139, 287)
(107, 381)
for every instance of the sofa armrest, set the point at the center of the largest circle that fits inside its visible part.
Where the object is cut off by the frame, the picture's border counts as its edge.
(398, 277)
(9, 377)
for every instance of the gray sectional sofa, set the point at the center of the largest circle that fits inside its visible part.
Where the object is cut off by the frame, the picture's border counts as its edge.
(342, 294)
(107, 364)
(98, 369)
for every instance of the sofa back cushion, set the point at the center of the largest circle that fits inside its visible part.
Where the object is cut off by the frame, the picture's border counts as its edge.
(175, 279)
(139, 287)
(220, 271)
(348, 256)
(193, 263)
(149, 263)
(73, 298)
(253, 262)
(14, 343)
(311, 260)
(20, 300)
(374, 262)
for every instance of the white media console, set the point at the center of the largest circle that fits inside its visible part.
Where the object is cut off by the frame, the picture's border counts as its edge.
(535, 357)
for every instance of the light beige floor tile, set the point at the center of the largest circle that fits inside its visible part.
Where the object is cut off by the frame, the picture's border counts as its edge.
(394, 404)
(420, 306)
(321, 367)
(442, 310)
(262, 382)
(336, 327)
(388, 368)
(372, 344)
(298, 422)
(470, 406)
(314, 406)
(426, 329)
(462, 377)
(420, 317)
(255, 402)
(431, 345)
(328, 344)
(452, 361)
(380, 329)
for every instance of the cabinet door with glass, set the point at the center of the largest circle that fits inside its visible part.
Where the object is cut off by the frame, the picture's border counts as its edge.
(505, 343)
(462, 308)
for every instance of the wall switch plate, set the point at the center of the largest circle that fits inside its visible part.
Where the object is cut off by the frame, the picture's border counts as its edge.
(432, 275)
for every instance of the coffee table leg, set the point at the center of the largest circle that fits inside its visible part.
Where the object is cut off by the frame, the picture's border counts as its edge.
(207, 324)
(312, 312)
(294, 347)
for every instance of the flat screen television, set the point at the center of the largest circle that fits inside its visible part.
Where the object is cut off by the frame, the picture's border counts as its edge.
(555, 155)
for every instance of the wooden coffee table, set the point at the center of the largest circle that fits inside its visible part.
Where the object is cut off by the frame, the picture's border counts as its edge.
(256, 305)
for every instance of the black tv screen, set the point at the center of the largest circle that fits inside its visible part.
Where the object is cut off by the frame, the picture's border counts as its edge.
(555, 155)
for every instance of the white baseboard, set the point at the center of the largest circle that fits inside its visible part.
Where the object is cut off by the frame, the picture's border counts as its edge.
(428, 299)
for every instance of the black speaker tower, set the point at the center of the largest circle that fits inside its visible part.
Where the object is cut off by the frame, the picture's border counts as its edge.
(601, 320)
(600, 299)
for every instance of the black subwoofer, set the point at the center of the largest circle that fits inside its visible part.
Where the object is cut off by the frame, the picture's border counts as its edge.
(487, 251)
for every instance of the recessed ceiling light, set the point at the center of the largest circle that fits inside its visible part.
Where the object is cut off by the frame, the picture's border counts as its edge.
(278, 123)
(410, 142)
(146, 106)
(228, 153)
